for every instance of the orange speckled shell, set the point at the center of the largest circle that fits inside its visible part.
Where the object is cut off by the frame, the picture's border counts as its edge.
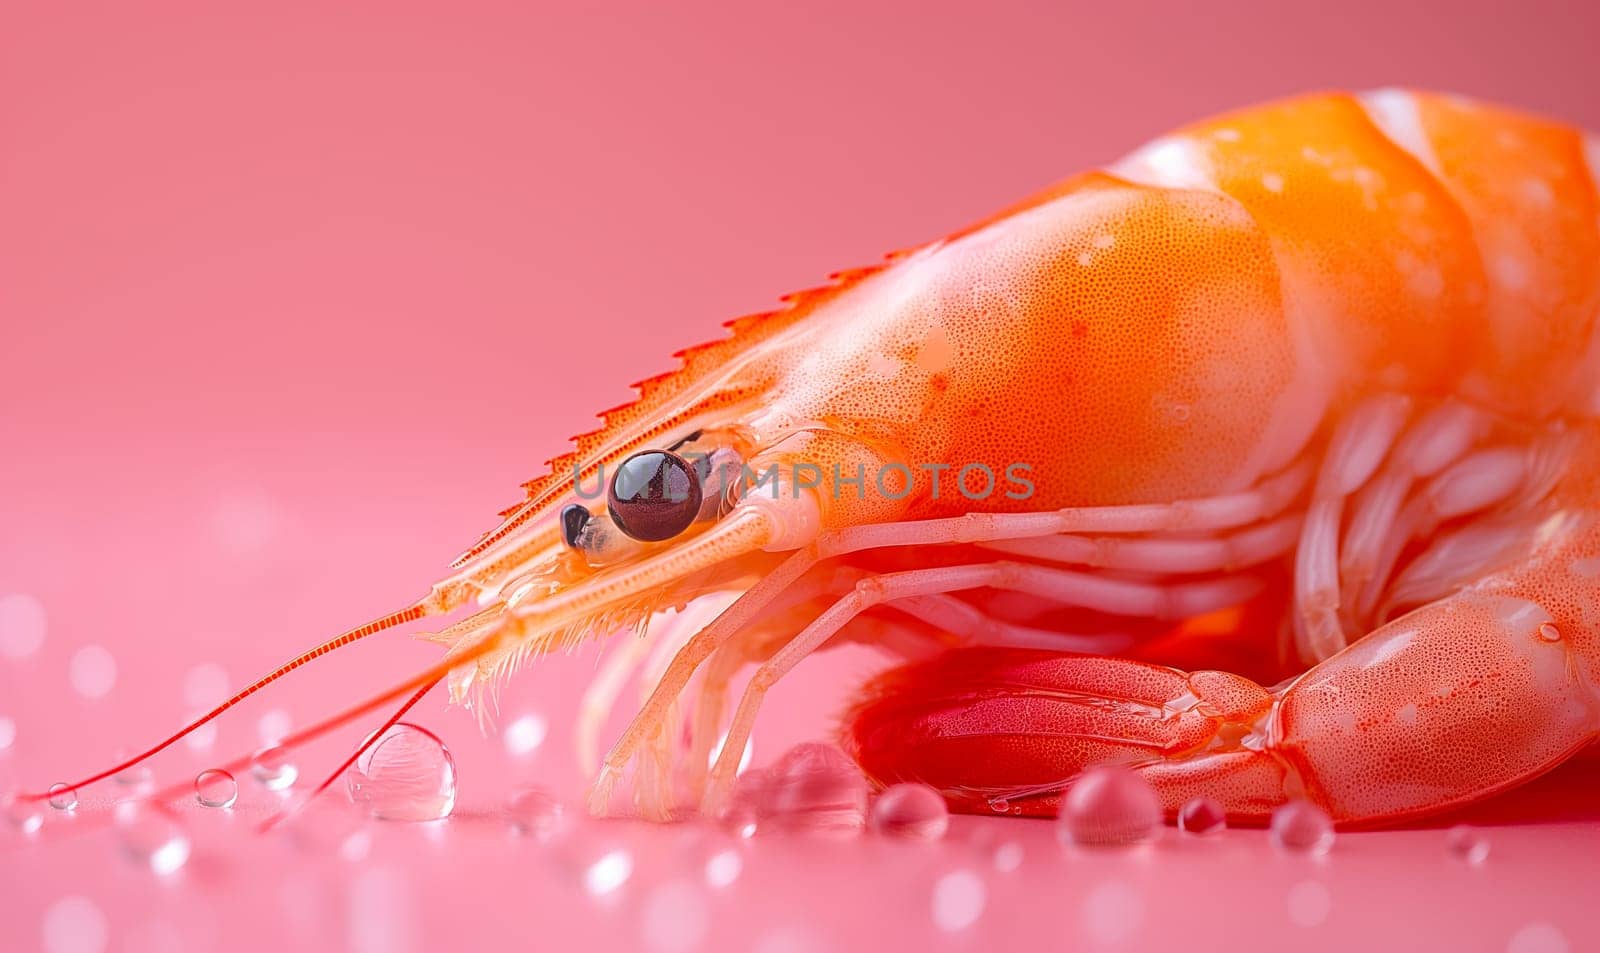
(1185, 321)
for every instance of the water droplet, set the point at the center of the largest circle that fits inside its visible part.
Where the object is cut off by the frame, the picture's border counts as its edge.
(92, 671)
(1302, 827)
(1108, 805)
(75, 925)
(999, 805)
(1202, 816)
(63, 798)
(958, 900)
(22, 625)
(151, 836)
(524, 736)
(815, 788)
(537, 813)
(24, 816)
(406, 775)
(1467, 843)
(724, 867)
(8, 733)
(272, 768)
(1309, 904)
(215, 788)
(1549, 633)
(608, 872)
(911, 811)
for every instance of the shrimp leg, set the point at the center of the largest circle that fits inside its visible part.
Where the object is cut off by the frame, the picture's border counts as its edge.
(1173, 601)
(1228, 511)
(1465, 696)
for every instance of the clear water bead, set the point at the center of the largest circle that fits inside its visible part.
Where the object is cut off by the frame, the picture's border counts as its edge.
(151, 836)
(1302, 827)
(816, 789)
(63, 798)
(272, 768)
(1202, 816)
(215, 788)
(911, 812)
(1108, 805)
(537, 813)
(24, 816)
(1467, 843)
(406, 775)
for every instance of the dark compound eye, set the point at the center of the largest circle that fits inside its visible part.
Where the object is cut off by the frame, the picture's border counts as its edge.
(655, 495)
(574, 517)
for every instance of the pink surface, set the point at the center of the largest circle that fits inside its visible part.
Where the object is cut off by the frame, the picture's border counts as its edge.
(292, 301)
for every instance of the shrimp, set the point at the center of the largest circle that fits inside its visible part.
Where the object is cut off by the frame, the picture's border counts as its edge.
(1265, 459)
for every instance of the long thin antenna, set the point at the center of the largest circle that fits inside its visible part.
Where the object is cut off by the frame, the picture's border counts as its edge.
(372, 739)
(390, 621)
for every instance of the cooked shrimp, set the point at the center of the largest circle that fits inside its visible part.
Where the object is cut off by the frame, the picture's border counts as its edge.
(1307, 393)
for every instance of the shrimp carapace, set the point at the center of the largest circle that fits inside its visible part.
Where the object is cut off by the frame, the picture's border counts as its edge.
(1307, 393)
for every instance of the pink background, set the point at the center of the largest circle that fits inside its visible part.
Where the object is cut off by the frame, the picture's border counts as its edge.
(292, 300)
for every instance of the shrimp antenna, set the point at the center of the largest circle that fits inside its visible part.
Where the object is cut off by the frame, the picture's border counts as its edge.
(372, 739)
(321, 728)
(390, 621)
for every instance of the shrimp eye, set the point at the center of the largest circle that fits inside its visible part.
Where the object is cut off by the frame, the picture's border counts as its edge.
(574, 517)
(655, 495)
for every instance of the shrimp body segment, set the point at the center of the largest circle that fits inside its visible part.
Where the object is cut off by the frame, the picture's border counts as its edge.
(1456, 700)
(1264, 459)
(1452, 300)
